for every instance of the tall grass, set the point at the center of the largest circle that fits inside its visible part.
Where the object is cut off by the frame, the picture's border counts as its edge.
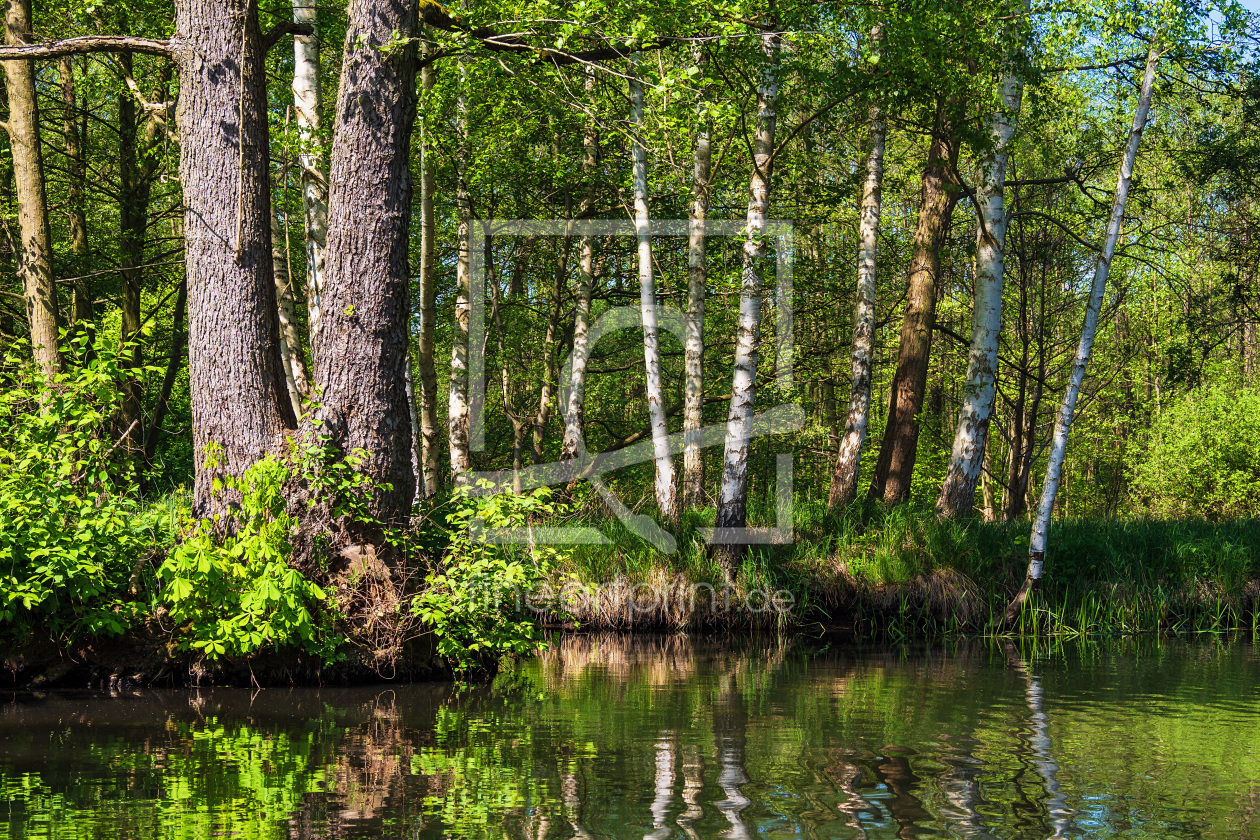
(904, 572)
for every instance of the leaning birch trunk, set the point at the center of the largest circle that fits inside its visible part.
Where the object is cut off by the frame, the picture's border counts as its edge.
(431, 477)
(958, 491)
(576, 402)
(1063, 423)
(295, 378)
(458, 414)
(844, 477)
(35, 249)
(693, 349)
(647, 301)
(306, 104)
(732, 511)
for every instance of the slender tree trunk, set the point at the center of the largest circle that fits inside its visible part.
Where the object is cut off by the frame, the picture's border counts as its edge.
(958, 491)
(364, 341)
(239, 399)
(34, 252)
(550, 356)
(665, 485)
(179, 341)
(295, 379)
(732, 509)
(574, 408)
(133, 223)
(844, 477)
(693, 350)
(76, 198)
(458, 412)
(306, 107)
(430, 473)
(1102, 269)
(895, 467)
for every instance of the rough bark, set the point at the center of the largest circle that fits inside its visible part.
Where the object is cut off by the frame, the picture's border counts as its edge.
(363, 338)
(958, 490)
(895, 467)
(76, 195)
(431, 476)
(311, 157)
(574, 440)
(665, 485)
(844, 477)
(1084, 348)
(34, 251)
(732, 509)
(239, 399)
(693, 348)
(458, 410)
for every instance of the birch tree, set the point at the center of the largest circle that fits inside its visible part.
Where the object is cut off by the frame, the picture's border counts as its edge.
(958, 491)
(732, 511)
(697, 280)
(427, 345)
(458, 410)
(1085, 347)
(665, 487)
(576, 399)
(844, 477)
(311, 156)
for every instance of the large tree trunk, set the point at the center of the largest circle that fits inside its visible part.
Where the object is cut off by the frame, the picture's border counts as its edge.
(306, 107)
(895, 467)
(239, 399)
(844, 477)
(1102, 269)
(34, 251)
(665, 486)
(458, 410)
(958, 491)
(430, 473)
(693, 349)
(364, 342)
(732, 509)
(76, 195)
(574, 441)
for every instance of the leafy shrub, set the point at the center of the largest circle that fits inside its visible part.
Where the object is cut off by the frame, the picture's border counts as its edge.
(72, 532)
(477, 602)
(1204, 457)
(229, 585)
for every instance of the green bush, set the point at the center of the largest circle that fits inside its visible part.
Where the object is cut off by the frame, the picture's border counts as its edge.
(1204, 457)
(229, 585)
(72, 532)
(476, 602)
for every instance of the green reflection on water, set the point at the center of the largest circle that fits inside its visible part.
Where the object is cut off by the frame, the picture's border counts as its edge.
(665, 737)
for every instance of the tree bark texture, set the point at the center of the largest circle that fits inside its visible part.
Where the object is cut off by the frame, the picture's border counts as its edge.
(458, 409)
(844, 477)
(311, 157)
(364, 341)
(895, 467)
(1084, 348)
(295, 378)
(239, 399)
(665, 485)
(34, 251)
(431, 475)
(958, 490)
(732, 508)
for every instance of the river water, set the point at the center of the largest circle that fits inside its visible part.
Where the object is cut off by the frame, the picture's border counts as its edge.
(664, 737)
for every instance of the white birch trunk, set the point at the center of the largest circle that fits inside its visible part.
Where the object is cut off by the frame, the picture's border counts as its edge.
(693, 348)
(295, 378)
(732, 511)
(1102, 268)
(647, 301)
(844, 478)
(958, 490)
(427, 361)
(306, 102)
(574, 405)
(458, 415)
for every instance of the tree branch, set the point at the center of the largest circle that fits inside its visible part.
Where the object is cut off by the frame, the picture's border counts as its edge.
(285, 27)
(85, 44)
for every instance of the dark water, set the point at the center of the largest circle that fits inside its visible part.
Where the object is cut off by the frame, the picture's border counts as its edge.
(605, 737)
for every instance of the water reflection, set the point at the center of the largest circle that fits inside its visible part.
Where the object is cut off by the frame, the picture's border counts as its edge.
(606, 737)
